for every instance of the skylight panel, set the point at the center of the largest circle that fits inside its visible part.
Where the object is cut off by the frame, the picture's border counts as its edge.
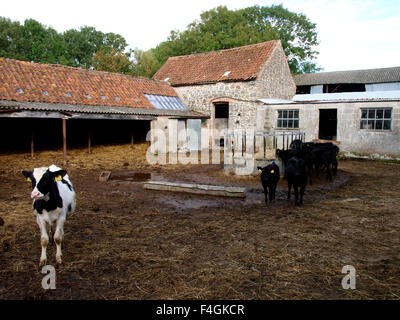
(165, 102)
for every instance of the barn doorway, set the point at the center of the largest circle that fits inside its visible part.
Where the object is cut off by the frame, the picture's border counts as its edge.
(221, 121)
(327, 124)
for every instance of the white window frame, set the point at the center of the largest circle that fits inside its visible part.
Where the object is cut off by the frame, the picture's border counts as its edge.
(374, 119)
(287, 116)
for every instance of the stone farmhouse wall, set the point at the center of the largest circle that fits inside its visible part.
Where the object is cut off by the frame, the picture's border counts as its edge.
(353, 140)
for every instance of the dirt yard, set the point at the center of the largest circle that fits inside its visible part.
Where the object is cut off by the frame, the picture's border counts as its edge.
(124, 242)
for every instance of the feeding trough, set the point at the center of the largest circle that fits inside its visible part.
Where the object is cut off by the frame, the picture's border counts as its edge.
(235, 192)
(104, 176)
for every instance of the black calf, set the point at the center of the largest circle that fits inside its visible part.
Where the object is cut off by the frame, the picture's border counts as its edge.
(270, 176)
(326, 157)
(296, 174)
(285, 155)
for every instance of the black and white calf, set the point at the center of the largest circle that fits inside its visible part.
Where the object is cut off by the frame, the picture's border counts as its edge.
(53, 198)
(270, 176)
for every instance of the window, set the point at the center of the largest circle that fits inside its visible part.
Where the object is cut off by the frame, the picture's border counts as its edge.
(288, 119)
(376, 119)
(222, 110)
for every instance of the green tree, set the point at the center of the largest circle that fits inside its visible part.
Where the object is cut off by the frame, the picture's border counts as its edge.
(85, 48)
(31, 41)
(221, 28)
(90, 48)
(42, 44)
(112, 61)
(10, 38)
(81, 45)
(296, 32)
(145, 64)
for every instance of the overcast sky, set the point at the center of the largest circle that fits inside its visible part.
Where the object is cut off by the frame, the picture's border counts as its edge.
(353, 34)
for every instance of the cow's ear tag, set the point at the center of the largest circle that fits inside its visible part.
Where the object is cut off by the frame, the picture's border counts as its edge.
(272, 171)
(29, 179)
(259, 170)
(58, 178)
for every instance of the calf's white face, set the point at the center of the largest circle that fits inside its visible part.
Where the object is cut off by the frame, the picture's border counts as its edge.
(41, 179)
(37, 174)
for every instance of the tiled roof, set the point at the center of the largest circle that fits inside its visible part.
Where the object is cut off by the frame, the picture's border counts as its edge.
(237, 64)
(382, 75)
(25, 81)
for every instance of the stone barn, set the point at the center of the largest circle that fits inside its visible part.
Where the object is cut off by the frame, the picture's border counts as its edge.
(226, 85)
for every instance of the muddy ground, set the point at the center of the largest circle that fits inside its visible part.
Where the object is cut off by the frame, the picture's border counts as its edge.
(124, 242)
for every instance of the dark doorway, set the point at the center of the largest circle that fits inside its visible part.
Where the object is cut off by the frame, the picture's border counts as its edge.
(328, 124)
(221, 119)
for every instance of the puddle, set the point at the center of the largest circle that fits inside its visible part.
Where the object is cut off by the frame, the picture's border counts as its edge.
(319, 191)
(132, 176)
(189, 203)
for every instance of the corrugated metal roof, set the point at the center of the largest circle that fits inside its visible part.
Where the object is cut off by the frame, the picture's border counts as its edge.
(338, 97)
(59, 107)
(165, 102)
(381, 75)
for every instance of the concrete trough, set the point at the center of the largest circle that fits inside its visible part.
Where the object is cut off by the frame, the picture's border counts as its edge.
(235, 192)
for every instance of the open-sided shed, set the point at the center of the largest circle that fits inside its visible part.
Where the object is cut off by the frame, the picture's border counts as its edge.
(44, 105)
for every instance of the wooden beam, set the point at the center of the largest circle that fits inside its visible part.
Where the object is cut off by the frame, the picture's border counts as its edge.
(64, 133)
(31, 114)
(32, 147)
(89, 142)
(10, 110)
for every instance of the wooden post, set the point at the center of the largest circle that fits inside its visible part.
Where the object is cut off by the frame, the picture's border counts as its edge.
(32, 147)
(132, 140)
(64, 132)
(89, 142)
